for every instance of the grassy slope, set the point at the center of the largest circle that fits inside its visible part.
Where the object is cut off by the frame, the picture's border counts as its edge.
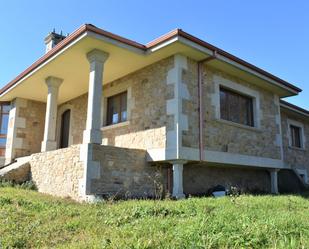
(30, 219)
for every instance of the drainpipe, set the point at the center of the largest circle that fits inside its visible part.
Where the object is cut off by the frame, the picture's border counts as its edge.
(200, 100)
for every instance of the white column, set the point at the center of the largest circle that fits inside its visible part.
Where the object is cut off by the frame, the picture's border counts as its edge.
(274, 181)
(49, 141)
(178, 179)
(92, 134)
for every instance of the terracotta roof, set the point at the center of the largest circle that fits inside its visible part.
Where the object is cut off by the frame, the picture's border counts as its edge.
(295, 107)
(177, 32)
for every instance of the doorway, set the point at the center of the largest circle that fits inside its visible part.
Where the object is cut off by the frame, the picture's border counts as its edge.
(65, 129)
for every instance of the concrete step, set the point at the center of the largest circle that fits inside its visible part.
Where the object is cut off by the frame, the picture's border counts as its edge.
(18, 171)
(301, 178)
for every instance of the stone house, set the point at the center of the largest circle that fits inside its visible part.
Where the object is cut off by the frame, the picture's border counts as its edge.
(102, 115)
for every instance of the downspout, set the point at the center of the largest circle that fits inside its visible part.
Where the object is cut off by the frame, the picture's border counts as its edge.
(200, 100)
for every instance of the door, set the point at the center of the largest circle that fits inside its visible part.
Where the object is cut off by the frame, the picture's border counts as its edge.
(65, 129)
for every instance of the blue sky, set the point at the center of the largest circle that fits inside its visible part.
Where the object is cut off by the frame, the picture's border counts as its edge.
(273, 35)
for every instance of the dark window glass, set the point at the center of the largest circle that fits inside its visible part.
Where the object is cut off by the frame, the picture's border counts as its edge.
(236, 107)
(296, 136)
(4, 120)
(2, 141)
(4, 123)
(2, 146)
(117, 109)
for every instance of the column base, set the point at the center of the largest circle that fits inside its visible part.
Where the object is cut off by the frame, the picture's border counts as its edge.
(7, 161)
(48, 145)
(179, 196)
(92, 136)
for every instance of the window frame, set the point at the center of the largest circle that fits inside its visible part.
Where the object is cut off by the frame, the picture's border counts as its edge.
(302, 138)
(250, 121)
(296, 140)
(108, 120)
(220, 81)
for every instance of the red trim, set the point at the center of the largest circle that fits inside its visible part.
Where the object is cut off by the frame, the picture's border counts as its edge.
(177, 32)
(297, 108)
(163, 38)
(96, 30)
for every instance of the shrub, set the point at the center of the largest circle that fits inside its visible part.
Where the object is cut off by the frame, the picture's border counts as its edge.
(29, 185)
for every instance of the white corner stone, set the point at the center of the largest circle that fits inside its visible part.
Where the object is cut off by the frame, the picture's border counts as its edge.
(174, 107)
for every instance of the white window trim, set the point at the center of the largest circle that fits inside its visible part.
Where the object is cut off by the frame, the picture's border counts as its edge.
(112, 91)
(302, 132)
(255, 95)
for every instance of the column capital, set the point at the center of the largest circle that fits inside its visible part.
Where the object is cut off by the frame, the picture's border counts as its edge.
(53, 81)
(178, 161)
(97, 55)
(273, 170)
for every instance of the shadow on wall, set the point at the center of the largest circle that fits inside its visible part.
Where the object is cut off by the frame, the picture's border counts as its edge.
(289, 183)
(199, 179)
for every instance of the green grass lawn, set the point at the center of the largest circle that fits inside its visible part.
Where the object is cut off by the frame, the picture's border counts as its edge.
(32, 220)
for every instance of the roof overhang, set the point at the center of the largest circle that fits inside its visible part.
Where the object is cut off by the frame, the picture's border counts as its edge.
(294, 109)
(68, 61)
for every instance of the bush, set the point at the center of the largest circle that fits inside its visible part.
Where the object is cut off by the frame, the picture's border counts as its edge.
(29, 185)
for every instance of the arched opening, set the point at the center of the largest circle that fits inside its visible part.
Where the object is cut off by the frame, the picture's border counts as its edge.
(65, 129)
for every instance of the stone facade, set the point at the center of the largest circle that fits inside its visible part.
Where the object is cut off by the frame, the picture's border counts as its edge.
(225, 136)
(149, 123)
(58, 172)
(126, 173)
(123, 173)
(147, 118)
(295, 157)
(163, 114)
(32, 133)
(25, 129)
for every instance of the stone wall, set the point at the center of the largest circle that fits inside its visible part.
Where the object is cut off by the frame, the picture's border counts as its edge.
(78, 108)
(125, 173)
(294, 157)
(147, 119)
(25, 129)
(58, 172)
(33, 132)
(225, 136)
(198, 179)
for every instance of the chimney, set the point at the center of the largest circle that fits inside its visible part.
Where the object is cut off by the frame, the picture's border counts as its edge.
(52, 39)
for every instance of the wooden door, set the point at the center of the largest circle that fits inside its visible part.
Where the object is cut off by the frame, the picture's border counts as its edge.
(65, 129)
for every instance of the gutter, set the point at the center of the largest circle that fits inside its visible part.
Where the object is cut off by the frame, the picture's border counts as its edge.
(200, 100)
(225, 54)
(294, 108)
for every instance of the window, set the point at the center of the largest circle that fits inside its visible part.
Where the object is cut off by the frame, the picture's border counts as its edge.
(4, 120)
(117, 109)
(236, 107)
(296, 137)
